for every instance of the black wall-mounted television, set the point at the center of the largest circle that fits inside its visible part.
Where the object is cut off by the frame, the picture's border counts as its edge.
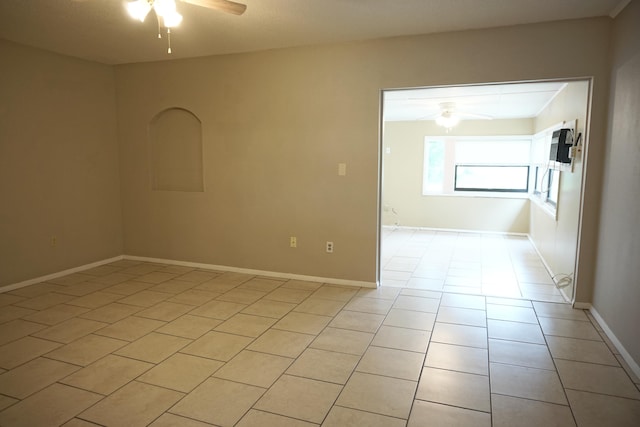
(561, 142)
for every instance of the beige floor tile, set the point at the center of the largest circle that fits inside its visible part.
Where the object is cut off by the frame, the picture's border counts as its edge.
(241, 296)
(324, 365)
(339, 417)
(408, 302)
(336, 293)
(181, 372)
(220, 310)
(70, 330)
(597, 410)
(511, 313)
(33, 376)
(304, 323)
(596, 378)
(324, 307)
(561, 311)
(529, 383)
(135, 404)
(302, 284)
(194, 297)
(421, 293)
(6, 401)
(177, 269)
(111, 313)
(369, 305)
(107, 374)
(165, 311)
(459, 389)
(253, 368)
(146, 298)
(569, 328)
(200, 276)
(218, 402)
(464, 301)
(33, 291)
(363, 322)
(86, 350)
(379, 292)
(471, 336)
(56, 314)
(217, 345)
(458, 358)
(410, 319)
(509, 301)
(128, 288)
(255, 418)
(510, 411)
(54, 405)
(171, 420)
(21, 351)
(71, 279)
(246, 325)
(142, 268)
(156, 277)
(113, 278)
(216, 285)
(343, 341)
(300, 398)
(44, 301)
(281, 343)
(391, 363)
(520, 353)
(402, 338)
(130, 328)
(77, 422)
(95, 299)
(80, 289)
(269, 308)
(378, 394)
(462, 316)
(262, 284)
(436, 415)
(581, 350)
(515, 331)
(153, 348)
(11, 312)
(189, 326)
(102, 270)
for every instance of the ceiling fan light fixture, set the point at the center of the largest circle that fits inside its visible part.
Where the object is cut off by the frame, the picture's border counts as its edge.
(172, 20)
(447, 119)
(138, 9)
(164, 8)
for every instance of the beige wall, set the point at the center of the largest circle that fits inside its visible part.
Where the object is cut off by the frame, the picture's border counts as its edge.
(402, 200)
(557, 237)
(277, 123)
(616, 294)
(58, 164)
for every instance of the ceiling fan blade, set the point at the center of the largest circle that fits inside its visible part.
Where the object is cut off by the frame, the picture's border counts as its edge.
(223, 5)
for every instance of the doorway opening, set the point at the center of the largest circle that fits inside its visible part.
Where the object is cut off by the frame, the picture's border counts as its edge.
(472, 199)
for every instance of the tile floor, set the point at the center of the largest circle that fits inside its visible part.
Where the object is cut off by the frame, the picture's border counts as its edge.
(466, 262)
(135, 344)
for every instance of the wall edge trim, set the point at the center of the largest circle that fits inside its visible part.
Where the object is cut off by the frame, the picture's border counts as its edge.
(275, 274)
(57, 274)
(633, 365)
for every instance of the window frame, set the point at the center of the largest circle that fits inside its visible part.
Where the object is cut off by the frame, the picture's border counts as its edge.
(490, 190)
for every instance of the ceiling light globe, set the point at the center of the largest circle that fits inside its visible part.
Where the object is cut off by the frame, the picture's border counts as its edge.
(138, 9)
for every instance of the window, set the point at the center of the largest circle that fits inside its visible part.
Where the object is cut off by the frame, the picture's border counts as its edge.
(513, 179)
(476, 164)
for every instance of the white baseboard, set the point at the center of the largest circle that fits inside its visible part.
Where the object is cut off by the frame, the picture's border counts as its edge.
(329, 280)
(582, 305)
(19, 285)
(623, 351)
(453, 230)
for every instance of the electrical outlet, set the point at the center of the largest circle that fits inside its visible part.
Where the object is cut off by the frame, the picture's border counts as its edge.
(329, 247)
(293, 242)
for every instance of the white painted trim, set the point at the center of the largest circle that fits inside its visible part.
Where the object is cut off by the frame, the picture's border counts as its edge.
(265, 273)
(582, 305)
(453, 230)
(18, 285)
(619, 8)
(544, 262)
(616, 342)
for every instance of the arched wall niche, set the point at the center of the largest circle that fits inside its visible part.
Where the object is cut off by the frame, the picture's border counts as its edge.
(175, 137)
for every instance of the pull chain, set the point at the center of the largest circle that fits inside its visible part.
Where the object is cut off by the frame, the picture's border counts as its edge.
(169, 39)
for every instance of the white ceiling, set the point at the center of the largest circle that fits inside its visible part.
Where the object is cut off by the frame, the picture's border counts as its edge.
(497, 101)
(100, 30)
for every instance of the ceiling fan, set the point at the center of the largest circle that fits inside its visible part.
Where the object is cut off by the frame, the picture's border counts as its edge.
(167, 15)
(449, 116)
